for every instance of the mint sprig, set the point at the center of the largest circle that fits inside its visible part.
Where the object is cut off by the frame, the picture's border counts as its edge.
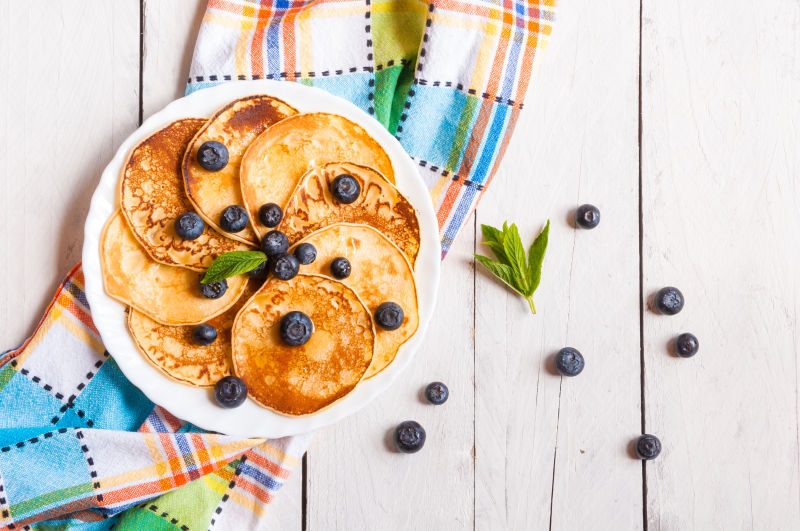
(520, 272)
(233, 263)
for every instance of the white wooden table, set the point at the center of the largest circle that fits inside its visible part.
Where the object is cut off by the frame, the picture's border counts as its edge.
(680, 120)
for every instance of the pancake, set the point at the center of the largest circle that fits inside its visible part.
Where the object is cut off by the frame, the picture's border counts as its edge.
(236, 125)
(380, 273)
(172, 351)
(380, 205)
(166, 294)
(277, 160)
(302, 380)
(152, 197)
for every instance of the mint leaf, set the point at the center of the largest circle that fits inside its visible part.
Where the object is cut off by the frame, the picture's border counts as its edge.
(501, 271)
(491, 234)
(233, 263)
(519, 272)
(494, 240)
(515, 256)
(498, 250)
(536, 257)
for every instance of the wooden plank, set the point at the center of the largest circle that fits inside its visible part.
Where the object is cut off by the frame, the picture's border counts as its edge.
(68, 98)
(357, 481)
(551, 451)
(169, 37)
(720, 199)
(170, 33)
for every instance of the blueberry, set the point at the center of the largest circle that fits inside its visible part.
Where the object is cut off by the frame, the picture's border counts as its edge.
(686, 345)
(230, 392)
(340, 268)
(345, 188)
(389, 316)
(214, 290)
(296, 328)
(587, 216)
(648, 447)
(233, 218)
(204, 334)
(409, 437)
(270, 215)
(274, 242)
(260, 272)
(189, 226)
(212, 156)
(284, 266)
(669, 300)
(437, 393)
(305, 253)
(569, 362)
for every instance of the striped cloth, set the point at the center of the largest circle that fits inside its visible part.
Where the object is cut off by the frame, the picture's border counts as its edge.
(448, 78)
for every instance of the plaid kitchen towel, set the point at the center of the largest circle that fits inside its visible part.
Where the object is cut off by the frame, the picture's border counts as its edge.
(448, 78)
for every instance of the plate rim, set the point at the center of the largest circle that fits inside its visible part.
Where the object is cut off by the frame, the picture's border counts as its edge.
(110, 316)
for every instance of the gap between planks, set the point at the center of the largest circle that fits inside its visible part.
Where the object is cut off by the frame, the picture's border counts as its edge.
(641, 279)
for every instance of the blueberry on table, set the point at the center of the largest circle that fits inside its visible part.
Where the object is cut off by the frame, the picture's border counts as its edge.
(305, 253)
(437, 393)
(274, 242)
(389, 316)
(212, 156)
(409, 437)
(204, 334)
(648, 447)
(569, 361)
(214, 290)
(260, 272)
(345, 188)
(340, 268)
(189, 226)
(270, 215)
(233, 219)
(230, 392)
(587, 216)
(669, 300)
(284, 266)
(296, 328)
(686, 345)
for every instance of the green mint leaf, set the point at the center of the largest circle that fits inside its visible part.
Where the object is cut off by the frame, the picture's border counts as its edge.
(498, 250)
(501, 271)
(233, 263)
(491, 234)
(519, 272)
(535, 259)
(515, 256)
(493, 238)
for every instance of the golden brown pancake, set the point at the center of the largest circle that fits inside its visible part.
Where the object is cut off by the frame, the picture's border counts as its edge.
(167, 294)
(380, 273)
(277, 160)
(236, 125)
(380, 205)
(172, 351)
(302, 380)
(152, 197)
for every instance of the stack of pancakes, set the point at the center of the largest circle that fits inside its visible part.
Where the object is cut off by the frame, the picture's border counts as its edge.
(276, 155)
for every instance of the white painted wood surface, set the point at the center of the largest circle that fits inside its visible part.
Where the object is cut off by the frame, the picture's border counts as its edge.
(721, 168)
(544, 441)
(68, 97)
(516, 446)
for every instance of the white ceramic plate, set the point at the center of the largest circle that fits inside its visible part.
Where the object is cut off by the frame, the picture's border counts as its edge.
(197, 404)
